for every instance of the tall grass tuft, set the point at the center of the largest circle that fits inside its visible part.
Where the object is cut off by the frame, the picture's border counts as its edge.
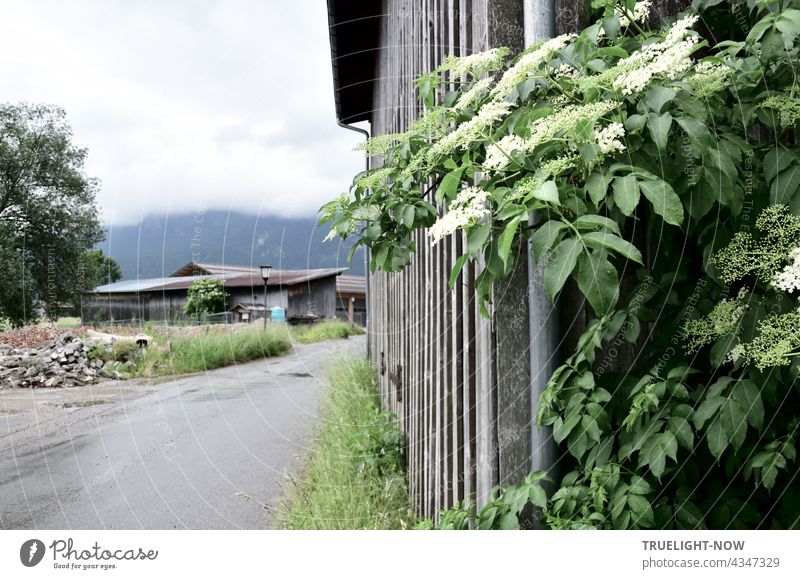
(328, 330)
(208, 350)
(354, 477)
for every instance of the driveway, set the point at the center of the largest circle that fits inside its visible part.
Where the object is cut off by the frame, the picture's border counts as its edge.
(207, 451)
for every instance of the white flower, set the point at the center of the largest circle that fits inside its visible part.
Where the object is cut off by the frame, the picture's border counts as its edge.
(670, 58)
(736, 352)
(788, 280)
(497, 155)
(469, 207)
(472, 129)
(608, 138)
(565, 71)
(640, 13)
(527, 64)
(468, 98)
(478, 63)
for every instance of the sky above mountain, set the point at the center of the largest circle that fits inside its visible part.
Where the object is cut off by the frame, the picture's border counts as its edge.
(187, 106)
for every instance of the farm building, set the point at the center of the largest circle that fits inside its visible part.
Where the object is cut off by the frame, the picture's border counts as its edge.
(465, 388)
(303, 294)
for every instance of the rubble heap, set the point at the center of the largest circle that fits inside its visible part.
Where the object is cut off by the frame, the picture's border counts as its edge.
(62, 362)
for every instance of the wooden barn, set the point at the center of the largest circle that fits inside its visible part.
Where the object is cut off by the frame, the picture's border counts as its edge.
(465, 389)
(304, 294)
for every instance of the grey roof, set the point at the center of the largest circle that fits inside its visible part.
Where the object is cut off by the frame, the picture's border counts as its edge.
(234, 277)
(351, 284)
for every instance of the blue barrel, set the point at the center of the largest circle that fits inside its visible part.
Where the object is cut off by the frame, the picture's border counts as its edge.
(278, 314)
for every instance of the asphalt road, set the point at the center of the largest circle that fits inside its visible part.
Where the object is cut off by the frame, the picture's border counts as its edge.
(207, 451)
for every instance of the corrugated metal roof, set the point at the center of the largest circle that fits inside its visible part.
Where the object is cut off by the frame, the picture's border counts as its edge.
(280, 277)
(351, 284)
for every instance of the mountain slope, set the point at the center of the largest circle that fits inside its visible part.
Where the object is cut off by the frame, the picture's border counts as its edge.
(160, 244)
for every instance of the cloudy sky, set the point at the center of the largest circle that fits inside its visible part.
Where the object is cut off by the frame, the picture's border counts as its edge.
(186, 104)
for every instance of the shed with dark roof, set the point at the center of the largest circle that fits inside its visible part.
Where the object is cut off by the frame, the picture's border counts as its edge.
(304, 294)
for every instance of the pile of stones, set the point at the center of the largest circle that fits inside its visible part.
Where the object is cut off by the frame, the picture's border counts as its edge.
(62, 362)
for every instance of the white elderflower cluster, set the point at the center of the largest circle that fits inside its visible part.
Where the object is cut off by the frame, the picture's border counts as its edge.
(788, 279)
(468, 98)
(546, 128)
(708, 78)
(468, 131)
(374, 178)
(787, 106)
(365, 213)
(565, 70)
(670, 58)
(608, 138)
(497, 154)
(641, 11)
(470, 206)
(738, 351)
(478, 63)
(527, 64)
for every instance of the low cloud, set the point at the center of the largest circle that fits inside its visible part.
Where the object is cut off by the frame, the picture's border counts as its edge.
(185, 105)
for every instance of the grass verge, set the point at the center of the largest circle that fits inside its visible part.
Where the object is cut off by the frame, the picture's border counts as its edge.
(198, 352)
(328, 330)
(354, 477)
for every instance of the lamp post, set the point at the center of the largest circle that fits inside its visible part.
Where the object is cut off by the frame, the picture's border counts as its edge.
(265, 271)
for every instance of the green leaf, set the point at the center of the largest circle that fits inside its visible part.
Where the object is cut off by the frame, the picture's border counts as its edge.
(598, 281)
(659, 126)
(592, 221)
(717, 438)
(560, 266)
(785, 185)
(596, 186)
(604, 240)
(657, 96)
(409, 212)
(537, 496)
(476, 238)
(664, 200)
(457, 267)
(626, 194)
(641, 511)
(544, 238)
(547, 191)
(654, 455)
(682, 430)
(776, 160)
(449, 185)
(696, 130)
(562, 428)
(507, 238)
(748, 397)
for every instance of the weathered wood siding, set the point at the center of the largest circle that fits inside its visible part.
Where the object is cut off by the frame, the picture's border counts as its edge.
(462, 386)
(437, 356)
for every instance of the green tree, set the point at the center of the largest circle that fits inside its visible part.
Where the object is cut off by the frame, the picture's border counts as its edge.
(48, 214)
(100, 269)
(206, 296)
(97, 269)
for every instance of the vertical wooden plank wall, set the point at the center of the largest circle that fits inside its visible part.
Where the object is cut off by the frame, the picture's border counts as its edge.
(435, 353)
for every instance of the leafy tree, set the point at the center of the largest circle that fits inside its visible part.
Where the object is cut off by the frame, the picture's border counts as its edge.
(48, 214)
(97, 269)
(100, 269)
(206, 296)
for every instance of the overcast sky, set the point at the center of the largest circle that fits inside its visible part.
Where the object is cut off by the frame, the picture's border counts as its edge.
(187, 103)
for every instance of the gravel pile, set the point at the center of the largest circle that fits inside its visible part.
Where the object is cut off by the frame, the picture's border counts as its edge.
(62, 362)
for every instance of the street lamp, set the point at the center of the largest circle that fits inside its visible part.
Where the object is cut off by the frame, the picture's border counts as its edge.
(265, 271)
